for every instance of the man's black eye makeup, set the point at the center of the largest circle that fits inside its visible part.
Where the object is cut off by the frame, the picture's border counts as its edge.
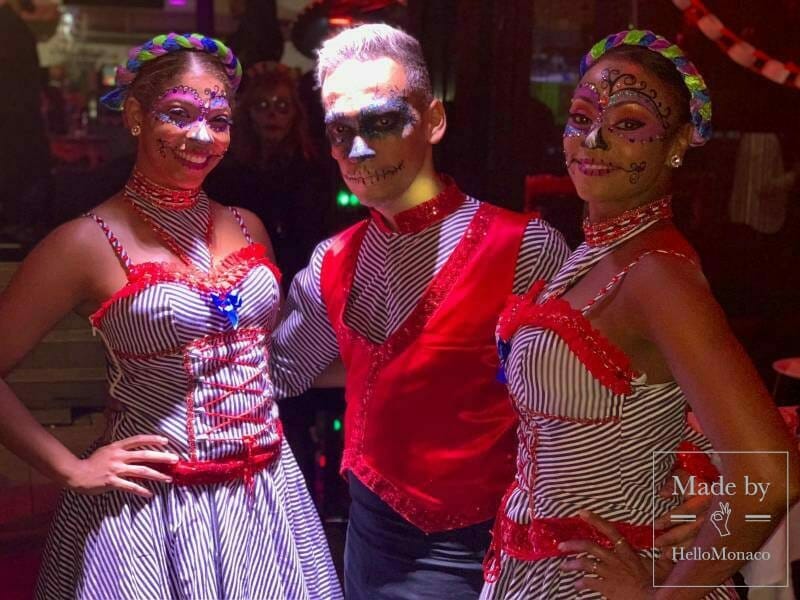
(339, 133)
(385, 123)
(388, 117)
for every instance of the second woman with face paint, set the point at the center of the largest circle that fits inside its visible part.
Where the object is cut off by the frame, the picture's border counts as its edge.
(192, 492)
(603, 359)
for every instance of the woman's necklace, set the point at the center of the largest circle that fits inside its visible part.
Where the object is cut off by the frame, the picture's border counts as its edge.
(140, 192)
(608, 231)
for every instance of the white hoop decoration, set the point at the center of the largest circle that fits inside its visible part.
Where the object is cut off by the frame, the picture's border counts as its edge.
(743, 53)
(711, 26)
(738, 50)
(776, 71)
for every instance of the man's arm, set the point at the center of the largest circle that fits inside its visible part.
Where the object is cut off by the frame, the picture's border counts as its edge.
(541, 254)
(304, 344)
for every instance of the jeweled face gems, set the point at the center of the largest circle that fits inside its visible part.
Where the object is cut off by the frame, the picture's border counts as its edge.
(620, 104)
(620, 133)
(185, 131)
(202, 122)
(186, 108)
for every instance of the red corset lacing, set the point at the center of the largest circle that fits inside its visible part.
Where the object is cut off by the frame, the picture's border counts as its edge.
(253, 458)
(540, 538)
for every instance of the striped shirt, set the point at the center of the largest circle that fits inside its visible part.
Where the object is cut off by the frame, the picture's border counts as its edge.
(392, 272)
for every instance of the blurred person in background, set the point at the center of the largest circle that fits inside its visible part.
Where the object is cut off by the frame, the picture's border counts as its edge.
(24, 151)
(273, 167)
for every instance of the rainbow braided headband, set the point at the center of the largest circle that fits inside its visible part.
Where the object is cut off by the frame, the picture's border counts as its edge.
(165, 44)
(700, 102)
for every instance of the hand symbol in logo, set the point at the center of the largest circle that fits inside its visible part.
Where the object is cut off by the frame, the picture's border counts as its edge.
(719, 519)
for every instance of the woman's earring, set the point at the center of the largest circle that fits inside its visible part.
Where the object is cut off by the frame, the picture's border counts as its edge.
(675, 161)
(136, 130)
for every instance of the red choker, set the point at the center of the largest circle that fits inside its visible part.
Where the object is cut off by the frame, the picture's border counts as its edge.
(146, 189)
(610, 230)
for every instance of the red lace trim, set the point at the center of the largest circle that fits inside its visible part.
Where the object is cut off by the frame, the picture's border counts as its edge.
(429, 212)
(220, 279)
(694, 461)
(540, 538)
(607, 363)
(428, 521)
(512, 315)
(394, 345)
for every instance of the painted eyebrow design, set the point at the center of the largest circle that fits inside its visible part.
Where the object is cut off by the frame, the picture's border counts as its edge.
(638, 97)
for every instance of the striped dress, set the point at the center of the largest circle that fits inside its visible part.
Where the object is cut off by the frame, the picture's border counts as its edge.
(588, 427)
(187, 360)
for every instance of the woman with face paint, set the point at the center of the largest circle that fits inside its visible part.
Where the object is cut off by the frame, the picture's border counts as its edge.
(603, 359)
(192, 491)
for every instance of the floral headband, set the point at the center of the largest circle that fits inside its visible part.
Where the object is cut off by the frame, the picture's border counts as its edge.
(700, 100)
(166, 44)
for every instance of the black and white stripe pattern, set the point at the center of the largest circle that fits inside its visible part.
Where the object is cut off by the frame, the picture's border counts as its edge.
(392, 272)
(581, 446)
(189, 228)
(170, 355)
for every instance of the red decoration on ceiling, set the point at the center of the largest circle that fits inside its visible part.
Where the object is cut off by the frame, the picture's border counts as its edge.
(743, 53)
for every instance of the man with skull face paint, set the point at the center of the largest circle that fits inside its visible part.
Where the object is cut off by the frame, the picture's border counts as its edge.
(409, 299)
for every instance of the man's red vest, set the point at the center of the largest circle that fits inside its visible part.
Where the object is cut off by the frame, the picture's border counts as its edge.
(428, 427)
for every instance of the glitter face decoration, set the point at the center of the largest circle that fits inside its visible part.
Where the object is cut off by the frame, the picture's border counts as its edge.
(375, 129)
(621, 105)
(186, 131)
(619, 131)
(184, 107)
(200, 117)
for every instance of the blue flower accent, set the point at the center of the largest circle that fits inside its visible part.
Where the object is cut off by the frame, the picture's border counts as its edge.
(227, 305)
(503, 350)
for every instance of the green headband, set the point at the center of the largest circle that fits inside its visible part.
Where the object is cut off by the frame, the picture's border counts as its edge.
(166, 44)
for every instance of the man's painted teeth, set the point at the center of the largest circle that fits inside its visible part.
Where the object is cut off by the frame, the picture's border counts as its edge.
(376, 176)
